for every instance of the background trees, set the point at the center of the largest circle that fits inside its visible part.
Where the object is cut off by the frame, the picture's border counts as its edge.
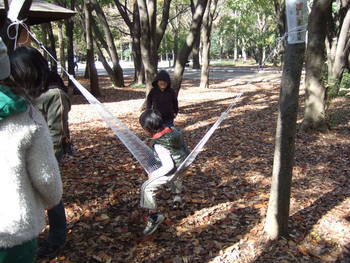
(244, 31)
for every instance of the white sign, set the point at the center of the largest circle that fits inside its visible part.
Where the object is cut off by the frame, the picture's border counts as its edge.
(297, 17)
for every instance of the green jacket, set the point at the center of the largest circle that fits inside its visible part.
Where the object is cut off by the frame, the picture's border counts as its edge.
(10, 103)
(54, 104)
(174, 142)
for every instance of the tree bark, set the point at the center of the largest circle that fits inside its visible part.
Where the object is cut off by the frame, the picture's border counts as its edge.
(139, 77)
(151, 36)
(61, 45)
(94, 87)
(276, 224)
(70, 43)
(135, 34)
(195, 50)
(52, 48)
(205, 34)
(314, 115)
(118, 71)
(44, 30)
(190, 40)
(343, 47)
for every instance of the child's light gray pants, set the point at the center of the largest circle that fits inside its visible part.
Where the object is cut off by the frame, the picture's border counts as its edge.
(149, 188)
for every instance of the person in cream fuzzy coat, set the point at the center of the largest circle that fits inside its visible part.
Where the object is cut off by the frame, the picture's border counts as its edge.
(30, 180)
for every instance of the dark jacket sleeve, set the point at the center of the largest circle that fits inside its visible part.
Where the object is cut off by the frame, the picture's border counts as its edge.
(149, 100)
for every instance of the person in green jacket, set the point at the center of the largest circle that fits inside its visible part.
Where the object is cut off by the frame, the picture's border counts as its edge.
(55, 105)
(27, 64)
(170, 147)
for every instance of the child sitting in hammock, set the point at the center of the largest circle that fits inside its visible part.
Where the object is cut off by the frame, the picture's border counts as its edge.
(171, 149)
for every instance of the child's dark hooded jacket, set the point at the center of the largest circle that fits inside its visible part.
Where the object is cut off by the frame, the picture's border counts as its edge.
(163, 101)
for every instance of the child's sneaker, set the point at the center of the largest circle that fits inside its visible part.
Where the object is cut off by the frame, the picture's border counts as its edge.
(152, 224)
(177, 201)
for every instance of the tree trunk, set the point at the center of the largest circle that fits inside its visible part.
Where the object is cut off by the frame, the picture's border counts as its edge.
(44, 29)
(139, 77)
(176, 46)
(343, 47)
(276, 224)
(190, 39)
(151, 36)
(118, 71)
(195, 54)
(314, 115)
(52, 48)
(146, 48)
(70, 43)
(61, 45)
(205, 35)
(278, 209)
(195, 50)
(94, 88)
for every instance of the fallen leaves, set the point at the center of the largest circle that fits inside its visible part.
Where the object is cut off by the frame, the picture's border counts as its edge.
(226, 190)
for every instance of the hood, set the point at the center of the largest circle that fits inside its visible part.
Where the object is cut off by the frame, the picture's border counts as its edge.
(162, 75)
(10, 103)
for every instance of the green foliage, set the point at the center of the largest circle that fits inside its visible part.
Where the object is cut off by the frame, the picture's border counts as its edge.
(138, 86)
(340, 87)
(248, 23)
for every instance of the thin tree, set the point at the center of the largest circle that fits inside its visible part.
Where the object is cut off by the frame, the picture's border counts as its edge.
(118, 78)
(196, 46)
(94, 87)
(182, 56)
(70, 42)
(52, 48)
(276, 224)
(61, 45)
(314, 115)
(132, 20)
(209, 16)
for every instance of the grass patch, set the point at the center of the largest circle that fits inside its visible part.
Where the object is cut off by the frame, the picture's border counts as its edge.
(138, 86)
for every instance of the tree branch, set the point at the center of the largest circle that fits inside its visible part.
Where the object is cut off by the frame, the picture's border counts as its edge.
(122, 10)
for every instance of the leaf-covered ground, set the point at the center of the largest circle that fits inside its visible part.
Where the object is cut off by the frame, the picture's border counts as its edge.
(226, 188)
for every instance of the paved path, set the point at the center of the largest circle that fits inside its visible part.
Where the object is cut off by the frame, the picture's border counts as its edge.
(216, 73)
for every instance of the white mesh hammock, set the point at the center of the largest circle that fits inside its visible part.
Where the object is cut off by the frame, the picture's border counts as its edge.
(142, 153)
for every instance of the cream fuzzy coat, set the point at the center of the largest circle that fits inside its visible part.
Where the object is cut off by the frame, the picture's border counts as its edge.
(30, 181)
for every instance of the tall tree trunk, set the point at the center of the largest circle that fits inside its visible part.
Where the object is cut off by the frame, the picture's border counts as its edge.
(44, 30)
(314, 115)
(118, 71)
(195, 50)
(278, 209)
(70, 43)
(146, 48)
(139, 77)
(190, 39)
(61, 45)
(276, 224)
(52, 48)
(343, 47)
(205, 35)
(195, 54)
(94, 87)
(151, 36)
